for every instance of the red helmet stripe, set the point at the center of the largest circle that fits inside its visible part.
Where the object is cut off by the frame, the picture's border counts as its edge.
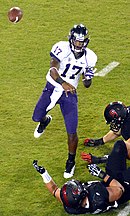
(65, 195)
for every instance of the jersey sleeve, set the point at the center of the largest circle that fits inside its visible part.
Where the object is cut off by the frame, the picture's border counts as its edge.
(98, 198)
(58, 51)
(91, 58)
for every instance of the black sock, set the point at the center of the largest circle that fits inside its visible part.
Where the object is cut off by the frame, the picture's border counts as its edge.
(71, 157)
(43, 121)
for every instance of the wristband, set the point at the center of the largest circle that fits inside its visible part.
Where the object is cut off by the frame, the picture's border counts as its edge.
(99, 141)
(109, 180)
(102, 174)
(122, 190)
(55, 192)
(46, 177)
(54, 68)
(59, 80)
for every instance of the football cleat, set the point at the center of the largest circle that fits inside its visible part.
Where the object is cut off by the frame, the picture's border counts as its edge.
(70, 168)
(41, 127)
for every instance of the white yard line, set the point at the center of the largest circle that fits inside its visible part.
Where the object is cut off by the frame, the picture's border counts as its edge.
(107, 69)
(125, 211)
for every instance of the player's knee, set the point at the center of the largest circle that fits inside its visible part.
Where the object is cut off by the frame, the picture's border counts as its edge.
(119, 146)
(35, 119)
(38, 115)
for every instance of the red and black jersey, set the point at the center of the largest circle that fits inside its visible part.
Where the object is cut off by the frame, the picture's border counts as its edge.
(98, 200)
(125, 130)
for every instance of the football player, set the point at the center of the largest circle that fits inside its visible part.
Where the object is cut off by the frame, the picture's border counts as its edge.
(118, 116)
(99, 196)
(69, 60)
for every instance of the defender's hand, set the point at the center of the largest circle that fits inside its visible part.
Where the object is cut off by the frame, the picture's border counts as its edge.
(86, 157)
(93, 142)
(91, 159)
(89, 142)
(96, 171)
(39, 169)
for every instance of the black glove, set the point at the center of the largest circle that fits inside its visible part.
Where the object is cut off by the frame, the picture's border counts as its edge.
(93, 142)
(96, 171)
(39, 169)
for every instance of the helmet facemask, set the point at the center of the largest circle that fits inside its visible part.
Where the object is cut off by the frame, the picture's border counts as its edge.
(116, 124)
(78, 38)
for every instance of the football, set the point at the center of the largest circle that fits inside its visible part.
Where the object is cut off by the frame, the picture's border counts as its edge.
(15, 14)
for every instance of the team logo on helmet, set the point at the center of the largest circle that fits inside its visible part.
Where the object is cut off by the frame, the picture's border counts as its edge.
(113, 113)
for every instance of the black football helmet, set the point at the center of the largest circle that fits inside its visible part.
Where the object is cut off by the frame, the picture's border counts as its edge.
(78, 33)
(72, 193)
(115, 114)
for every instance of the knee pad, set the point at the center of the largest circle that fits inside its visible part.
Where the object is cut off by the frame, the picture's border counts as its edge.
(120, 146)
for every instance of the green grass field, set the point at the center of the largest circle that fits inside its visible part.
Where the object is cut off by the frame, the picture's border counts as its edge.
(24, 62)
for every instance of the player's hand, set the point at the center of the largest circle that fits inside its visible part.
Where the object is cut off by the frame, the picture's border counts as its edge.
(96, 171)
(93, 142)
(86, 157)
(89, 142)
(89, 73)
(68, 88)
(91, 159)
(39, 169)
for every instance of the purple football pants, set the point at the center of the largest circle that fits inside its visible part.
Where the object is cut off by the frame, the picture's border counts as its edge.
(68, 106)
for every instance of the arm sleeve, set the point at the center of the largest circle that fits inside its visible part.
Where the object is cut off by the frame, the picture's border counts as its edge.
(58, 51)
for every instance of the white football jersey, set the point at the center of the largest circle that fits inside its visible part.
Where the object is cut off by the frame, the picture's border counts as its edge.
(71, 68)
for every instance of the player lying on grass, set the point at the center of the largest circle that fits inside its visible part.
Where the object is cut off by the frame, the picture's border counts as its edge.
(99, 196)
(118, 116)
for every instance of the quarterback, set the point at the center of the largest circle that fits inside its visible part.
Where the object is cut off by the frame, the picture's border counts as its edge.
(69, 60)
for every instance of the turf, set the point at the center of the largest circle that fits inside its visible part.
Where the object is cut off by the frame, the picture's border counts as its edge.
(24, 61)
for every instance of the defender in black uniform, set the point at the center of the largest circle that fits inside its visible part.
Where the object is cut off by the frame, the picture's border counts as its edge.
(118, 116)
(99, 196)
